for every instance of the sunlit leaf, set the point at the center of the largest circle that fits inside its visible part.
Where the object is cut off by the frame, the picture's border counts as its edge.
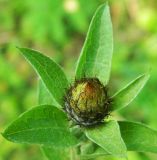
(45, 125)
(108, 137)
(138, 137)
(128, 93)
(50, 72)
(96, 55)
(44, 96)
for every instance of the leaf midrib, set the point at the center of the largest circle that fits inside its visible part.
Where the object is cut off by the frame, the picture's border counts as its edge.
(33, 129)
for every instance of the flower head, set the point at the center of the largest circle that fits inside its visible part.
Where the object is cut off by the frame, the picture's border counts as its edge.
(87, 102)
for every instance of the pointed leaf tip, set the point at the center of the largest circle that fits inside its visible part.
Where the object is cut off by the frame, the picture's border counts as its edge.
(50, 72)
(126, 95)
(96, 56)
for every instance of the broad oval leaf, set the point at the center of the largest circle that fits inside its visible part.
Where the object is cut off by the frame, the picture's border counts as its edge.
(45, 125)
(50, 72)
(138, 137)
(96, 56)
(125, 96)
(108, 137)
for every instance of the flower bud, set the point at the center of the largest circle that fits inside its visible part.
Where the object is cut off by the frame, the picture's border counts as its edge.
(87, 102)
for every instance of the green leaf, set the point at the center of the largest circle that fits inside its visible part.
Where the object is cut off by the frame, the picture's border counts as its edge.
(54, 153)
(108, 137)
(96, 56)
(138, 137)
(50, 72)
(91, 150)
(44, 96)
(125, 96)
(45, 125)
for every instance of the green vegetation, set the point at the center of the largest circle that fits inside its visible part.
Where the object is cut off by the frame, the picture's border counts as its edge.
(134, 49)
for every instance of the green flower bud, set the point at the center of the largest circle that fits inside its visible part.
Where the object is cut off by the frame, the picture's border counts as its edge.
(87, 102)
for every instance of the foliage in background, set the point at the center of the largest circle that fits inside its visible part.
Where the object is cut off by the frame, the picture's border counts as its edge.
(135, 33)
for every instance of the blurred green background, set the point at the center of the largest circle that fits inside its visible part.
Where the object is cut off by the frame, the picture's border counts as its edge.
(58, 29)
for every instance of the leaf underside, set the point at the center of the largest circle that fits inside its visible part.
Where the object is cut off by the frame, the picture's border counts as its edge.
(96, 56)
